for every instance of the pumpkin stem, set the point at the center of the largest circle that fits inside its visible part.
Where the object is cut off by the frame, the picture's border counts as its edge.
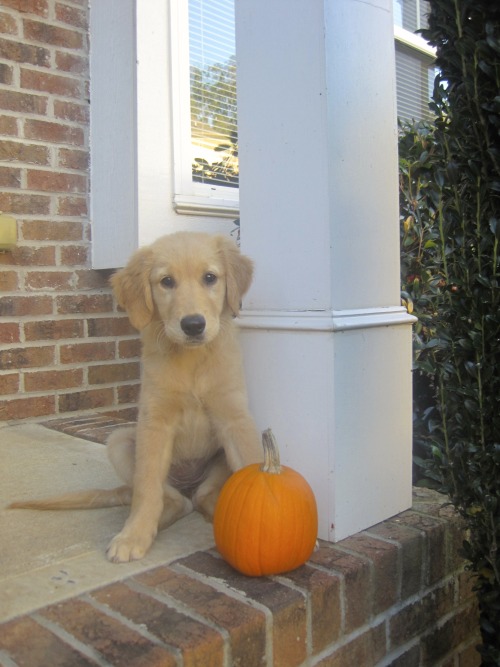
(271, 453)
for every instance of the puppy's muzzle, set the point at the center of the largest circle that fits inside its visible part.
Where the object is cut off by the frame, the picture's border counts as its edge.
(193, 325)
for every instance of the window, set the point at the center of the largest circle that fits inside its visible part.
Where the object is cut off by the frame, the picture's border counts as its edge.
(205, 122)
(414, 57)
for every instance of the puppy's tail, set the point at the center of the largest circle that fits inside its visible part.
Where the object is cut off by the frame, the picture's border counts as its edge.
(79, 500)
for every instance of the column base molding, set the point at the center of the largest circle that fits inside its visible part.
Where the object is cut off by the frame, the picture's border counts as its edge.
(325, 320)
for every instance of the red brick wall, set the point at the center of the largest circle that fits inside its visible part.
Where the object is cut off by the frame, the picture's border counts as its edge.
(63, 345)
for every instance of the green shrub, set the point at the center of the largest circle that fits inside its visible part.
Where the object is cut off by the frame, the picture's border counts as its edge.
(422, 281)
(450, 199)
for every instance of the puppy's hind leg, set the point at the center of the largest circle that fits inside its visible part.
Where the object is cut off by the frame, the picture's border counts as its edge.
(205, 498)
(121, 452)
(175, 506)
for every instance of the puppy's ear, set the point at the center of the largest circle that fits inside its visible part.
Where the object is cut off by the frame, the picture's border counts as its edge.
(133, 290)
(239, 273)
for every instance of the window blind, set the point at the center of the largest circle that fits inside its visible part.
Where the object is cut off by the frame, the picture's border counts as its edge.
(214, 131)
(414, 82)
(411, 14)
(415, 72)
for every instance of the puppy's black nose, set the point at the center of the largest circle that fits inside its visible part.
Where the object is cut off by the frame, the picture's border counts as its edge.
(193, 325)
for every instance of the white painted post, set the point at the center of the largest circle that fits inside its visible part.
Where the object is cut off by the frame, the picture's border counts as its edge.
(327, 343)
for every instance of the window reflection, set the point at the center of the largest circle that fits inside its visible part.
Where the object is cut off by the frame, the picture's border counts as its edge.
(214, 131)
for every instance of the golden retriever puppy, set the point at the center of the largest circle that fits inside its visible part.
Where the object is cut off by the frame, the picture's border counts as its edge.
(194, 428)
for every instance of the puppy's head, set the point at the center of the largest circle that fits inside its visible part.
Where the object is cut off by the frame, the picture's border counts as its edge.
(188, 282)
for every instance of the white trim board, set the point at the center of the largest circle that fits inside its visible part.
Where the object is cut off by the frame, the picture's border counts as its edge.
(334, 320)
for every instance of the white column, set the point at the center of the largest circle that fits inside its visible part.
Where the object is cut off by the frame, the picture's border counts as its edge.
(327, 343)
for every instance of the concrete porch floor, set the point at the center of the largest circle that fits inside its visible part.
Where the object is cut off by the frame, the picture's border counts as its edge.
(47, 557)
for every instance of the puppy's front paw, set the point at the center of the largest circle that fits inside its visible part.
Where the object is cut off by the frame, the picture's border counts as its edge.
(124, 548)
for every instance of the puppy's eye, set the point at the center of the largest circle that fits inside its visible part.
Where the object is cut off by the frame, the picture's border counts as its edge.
(167, 282)
(209, 278)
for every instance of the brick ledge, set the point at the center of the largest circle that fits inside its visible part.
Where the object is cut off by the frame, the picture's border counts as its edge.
(95, 427)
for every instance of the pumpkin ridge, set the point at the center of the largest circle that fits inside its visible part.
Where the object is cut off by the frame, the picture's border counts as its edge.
(234, 543)
(241, 539)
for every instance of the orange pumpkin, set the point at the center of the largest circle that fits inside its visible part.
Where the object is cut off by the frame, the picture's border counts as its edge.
(265, 520)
